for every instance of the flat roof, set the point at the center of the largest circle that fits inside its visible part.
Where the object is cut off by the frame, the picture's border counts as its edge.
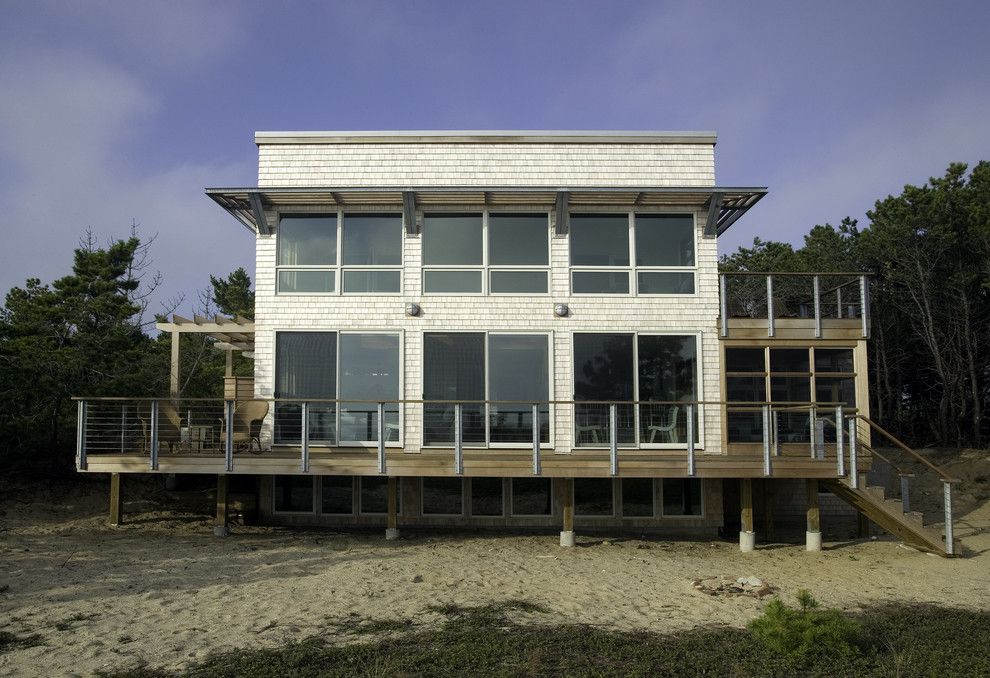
(487, 137)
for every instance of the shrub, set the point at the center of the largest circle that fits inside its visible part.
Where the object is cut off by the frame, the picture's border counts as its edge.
(806, 632)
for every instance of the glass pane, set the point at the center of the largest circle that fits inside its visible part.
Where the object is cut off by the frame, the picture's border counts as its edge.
(337, 495)
(372, 239)
(531, 497)
(371, 282)
(664, 282)
(593, 496)
(790, 389)
(454, 282)
(835, 390)
(744, 426)
(664, 240)
(294, 493)
(681, 497)
(789, 360)
(600, 282)
(667, 373)
(518, 369)
(833, 360)
(369, 370)
(305, 367)
(452, 239)
(637, 497)
(518, 282)
(518, 239)
(374, 495)
(599, 240)
(453, 369)
(486, 496)
(746, 389)
(745, 360)
(307, 282)
(603, 370)
(442, 496)
(792, 426)
(307, 240)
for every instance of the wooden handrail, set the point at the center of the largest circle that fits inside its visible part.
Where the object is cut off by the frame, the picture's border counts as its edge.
(941, 472)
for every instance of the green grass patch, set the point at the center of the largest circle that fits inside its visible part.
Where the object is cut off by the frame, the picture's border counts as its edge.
(894, 640)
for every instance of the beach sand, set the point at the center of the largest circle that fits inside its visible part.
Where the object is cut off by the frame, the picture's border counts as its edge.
(162, 591)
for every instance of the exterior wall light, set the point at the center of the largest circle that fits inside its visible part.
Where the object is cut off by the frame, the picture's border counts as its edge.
(561, 310)
(413, 309)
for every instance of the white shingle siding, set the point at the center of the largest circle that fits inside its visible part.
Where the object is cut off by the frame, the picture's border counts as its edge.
(603, 165)
(345, 165)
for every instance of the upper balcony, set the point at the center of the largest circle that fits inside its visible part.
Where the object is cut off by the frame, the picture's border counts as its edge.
(794, 305)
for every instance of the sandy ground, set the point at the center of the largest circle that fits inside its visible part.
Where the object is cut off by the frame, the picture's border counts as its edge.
(162, 591)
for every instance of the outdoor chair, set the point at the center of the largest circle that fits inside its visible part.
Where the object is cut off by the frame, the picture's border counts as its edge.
(667, 428)
(169, 426)
(249, 415)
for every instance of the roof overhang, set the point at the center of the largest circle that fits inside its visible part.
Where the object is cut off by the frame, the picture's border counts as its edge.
(487, 137)
(725, 204)
(230, 334)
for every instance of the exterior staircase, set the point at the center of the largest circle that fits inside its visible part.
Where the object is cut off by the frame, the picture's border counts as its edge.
(873, 503)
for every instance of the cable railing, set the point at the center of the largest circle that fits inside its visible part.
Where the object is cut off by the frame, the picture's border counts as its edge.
(810, 296)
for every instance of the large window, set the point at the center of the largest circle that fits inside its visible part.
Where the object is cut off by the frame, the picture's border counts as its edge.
(306, 367)
(786, 377)
(612, 253)
(368, 247)
(455, 370)
(659, 371)
(489, 252)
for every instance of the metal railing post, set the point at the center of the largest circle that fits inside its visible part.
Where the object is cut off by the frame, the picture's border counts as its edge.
(537, 464)
(950, 546)
(767, 469)
(689, 413)
(840, 455)
(819, 452)
(381, 437)
(775, 432)
(853, 461)
(811, 430)
(771, 326)
(723, 304)
(613, 441)
(305, 437)
(81, 413)
(864, 304)
(816, 286)
(906, 492)
(458, 439)
(229, 439)
(153, 460)
(838, 301)
(123, 427)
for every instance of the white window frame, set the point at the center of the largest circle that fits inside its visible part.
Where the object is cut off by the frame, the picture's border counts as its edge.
(486, 268)
(632, 270)
(699, 442)
(679, 516)
(371, 444)
(338, 269)
(488, 444)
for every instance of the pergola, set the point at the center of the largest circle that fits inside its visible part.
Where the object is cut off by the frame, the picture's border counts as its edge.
(229, 335)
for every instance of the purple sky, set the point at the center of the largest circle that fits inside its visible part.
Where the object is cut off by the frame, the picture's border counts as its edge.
(119, 111)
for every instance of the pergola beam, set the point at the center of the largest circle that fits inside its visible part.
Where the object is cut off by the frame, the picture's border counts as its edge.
(714, 208)
(254, 197)
(563, 223)
(409, 212)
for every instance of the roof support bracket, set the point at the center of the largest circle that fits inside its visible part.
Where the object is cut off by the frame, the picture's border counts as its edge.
(714, 207)
(563, 225)
(259, 213)
(409, 212)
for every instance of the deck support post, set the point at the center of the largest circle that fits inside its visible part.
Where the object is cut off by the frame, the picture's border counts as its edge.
(392, 526)
(220, 528)
(567, 534)
(116, 501)
(747, 537)
(813, 537)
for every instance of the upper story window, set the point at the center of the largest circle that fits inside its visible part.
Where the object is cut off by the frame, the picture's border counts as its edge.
(621, 253)
(368, 247)
(486, 253)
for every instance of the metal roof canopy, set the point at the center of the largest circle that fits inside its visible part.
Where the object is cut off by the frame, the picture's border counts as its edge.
(230, 334)
(725, 204)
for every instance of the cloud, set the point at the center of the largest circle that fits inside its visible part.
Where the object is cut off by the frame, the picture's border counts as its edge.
(68, 122)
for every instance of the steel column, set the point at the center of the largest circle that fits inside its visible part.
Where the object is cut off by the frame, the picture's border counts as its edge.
(775, 432)
(689, 413)
(305, 437)
(123, 427)
(950, 546)
(840, 453)
(229, 440)
(613, 441)
(153, 461)
(906, 491)
(767, 469)
(864, 304)
(811, 430)
(816, 286)
(771, 327)
(723, 304)
(81, 413)
(381, 437)
(853, 461)
(537, 466)
(458, 439)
